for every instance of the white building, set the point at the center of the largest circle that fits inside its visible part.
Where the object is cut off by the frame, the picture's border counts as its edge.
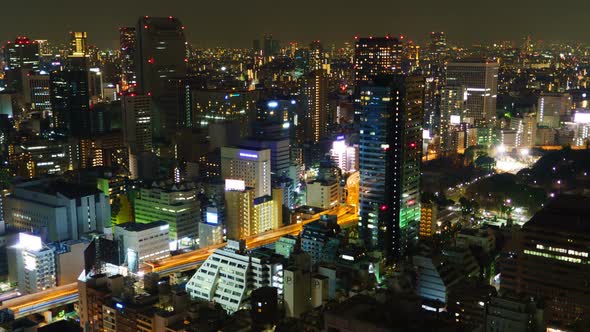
(62, 211)
(345, 157)
(249, 165)
(229, 275)
(35, 265)
(323, 194)
(143, 242)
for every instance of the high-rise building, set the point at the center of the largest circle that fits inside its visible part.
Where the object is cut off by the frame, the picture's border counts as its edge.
(452, 109)
(480, 78)
(316, 56)
(438, 45)
(389, 162)
(375, 56)
(69, 97)
(22, 54)
(551, 107)
(160, 55)
(127, 47)
(316, 102)
(253, 166)
(247, 215)
(78, 43)
(36, 90)
(137, 122)
(345, 157)
(550, 260)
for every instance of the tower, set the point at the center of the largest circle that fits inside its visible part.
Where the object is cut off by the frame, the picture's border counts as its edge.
(160, 56)
(315, 93)
(390, 156)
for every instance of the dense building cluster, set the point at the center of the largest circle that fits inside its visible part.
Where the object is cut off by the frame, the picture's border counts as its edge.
(379, 185)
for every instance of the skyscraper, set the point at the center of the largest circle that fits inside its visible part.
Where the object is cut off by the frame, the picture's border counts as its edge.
(78, 43)
(137, 122)
(480, 78)
(316, 56)
(20, 54)
(390, 157)
(127, 45)
(374, 56)
(438, 45)
(453, 98)
(160, 55)
(315, 93)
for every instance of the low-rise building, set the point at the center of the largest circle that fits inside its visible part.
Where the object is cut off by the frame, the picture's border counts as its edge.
(143, 242)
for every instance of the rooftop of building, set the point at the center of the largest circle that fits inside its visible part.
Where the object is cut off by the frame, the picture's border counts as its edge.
(566, 213)
(138, 227)
(70, 190)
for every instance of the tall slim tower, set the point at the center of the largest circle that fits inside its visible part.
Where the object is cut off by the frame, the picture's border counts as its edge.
(390, 157)
(315, 92)
(160, 56)
(127, 44)
(480, 78)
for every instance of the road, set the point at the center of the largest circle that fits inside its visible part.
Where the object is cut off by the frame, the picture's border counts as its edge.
(66, 294)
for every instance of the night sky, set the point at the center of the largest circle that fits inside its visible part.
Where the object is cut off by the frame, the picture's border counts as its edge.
(236, 23)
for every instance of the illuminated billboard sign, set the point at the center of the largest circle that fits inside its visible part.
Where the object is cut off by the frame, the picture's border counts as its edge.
(211, 217)
(249, 155)
(582, 117)
(237, 185)
(29, 242)
(455, 119)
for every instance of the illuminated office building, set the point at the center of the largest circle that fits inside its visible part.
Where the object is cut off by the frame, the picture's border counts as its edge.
(389, 162)
(143, 242)
(375, 56)
(345, 157)
(316, 102)
(551, 107)
(175, 204)
(137, 127)
(78, 43)
(551, 260)
(127, 47)
(480, 78)
(212, 106)
(438, 45)
(20, 54)
(452, 108)
(247, 215)
(253, 166)
(36, 90)
(36, 158)
(36, 267)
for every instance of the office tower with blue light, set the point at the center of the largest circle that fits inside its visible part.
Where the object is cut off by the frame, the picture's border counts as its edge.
(390, 142)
